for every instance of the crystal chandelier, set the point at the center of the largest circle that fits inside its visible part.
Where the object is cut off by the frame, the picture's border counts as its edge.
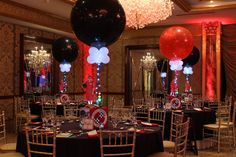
(38, 58)
(140, 13)
(148, 62)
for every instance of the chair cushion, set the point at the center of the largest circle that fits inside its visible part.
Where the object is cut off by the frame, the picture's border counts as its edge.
(13, 154)
(225, 123)
(168, 144)
(8, 147)
(215, 126)
(33, 116)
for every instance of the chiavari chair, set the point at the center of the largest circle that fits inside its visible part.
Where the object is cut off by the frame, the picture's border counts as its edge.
(6, 147)
(158, 116)
(141, 109)
(22, 112)
(180, 139)
(49, 109)
(114, 142)
(219, 131)
(71, 111)
(176, 118)
(42, 142)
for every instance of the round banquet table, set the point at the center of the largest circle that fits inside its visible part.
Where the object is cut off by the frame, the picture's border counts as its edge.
(83, 146)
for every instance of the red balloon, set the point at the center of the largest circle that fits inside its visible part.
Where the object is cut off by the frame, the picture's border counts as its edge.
(176, 43)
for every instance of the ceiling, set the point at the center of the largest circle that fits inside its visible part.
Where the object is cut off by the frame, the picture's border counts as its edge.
(185, 11)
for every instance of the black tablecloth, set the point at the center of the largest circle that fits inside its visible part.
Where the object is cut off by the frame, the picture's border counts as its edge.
(83, 146)
(197, 120)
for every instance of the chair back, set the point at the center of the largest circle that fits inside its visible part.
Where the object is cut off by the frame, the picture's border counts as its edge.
(71, 111)
(118, 103)
(21, 105)
(176, 118)
(2, 127)
(41, 142)
(223, 114)
(158, 116)
(117, 142)
(49, 109)
(213, 105)
(141, 110)
(181, 138)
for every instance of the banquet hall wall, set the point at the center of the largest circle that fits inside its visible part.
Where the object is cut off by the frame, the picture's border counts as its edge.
(10, 64)
(113, 74)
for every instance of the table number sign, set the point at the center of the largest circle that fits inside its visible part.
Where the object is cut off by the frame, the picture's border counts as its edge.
(99, 116)
(64, 98)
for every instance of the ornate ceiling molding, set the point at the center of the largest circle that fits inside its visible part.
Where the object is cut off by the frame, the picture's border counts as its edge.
(72, 2)
(183, 4)
(18, 11)
(231, 6)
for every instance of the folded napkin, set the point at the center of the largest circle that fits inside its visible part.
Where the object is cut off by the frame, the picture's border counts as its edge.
(63, 135)
(131, 129)
(149, 124)
(35, 123)
(197, 109)
(92, 134)
(140, 131)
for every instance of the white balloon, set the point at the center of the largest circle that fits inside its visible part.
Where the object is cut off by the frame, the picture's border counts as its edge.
(65, 67)
(188, 70)
(163, 74)
(176, 65)
(98, 56)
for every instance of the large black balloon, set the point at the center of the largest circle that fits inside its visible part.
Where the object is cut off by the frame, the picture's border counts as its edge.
(162, 65)
(64, 49)
(193, 57)
(98, 21)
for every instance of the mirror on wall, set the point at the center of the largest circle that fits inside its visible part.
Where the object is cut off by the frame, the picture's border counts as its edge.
(36, 65)
(142, 78)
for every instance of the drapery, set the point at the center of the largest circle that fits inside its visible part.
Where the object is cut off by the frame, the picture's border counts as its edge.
(228, 50)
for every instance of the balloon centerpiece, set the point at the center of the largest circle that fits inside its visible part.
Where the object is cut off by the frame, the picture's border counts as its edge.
(98, 23)
(64, 50)
(188, 62)
(176, 43)
(162, 68)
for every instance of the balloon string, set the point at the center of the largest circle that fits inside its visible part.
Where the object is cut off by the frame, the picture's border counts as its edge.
(65, 82)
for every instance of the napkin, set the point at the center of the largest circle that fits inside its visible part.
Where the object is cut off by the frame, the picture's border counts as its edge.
(35, 123)
(140, 131)
(63, 135)
(197, 109)
(131, 129)
(92, 134)
(149, 124)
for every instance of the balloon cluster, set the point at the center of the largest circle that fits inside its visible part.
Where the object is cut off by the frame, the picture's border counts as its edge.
(176, 43)
(98, 23)
(64, 50)
(189, 61)
(162, 67)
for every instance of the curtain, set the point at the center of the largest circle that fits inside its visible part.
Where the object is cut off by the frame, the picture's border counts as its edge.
(228, 52)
